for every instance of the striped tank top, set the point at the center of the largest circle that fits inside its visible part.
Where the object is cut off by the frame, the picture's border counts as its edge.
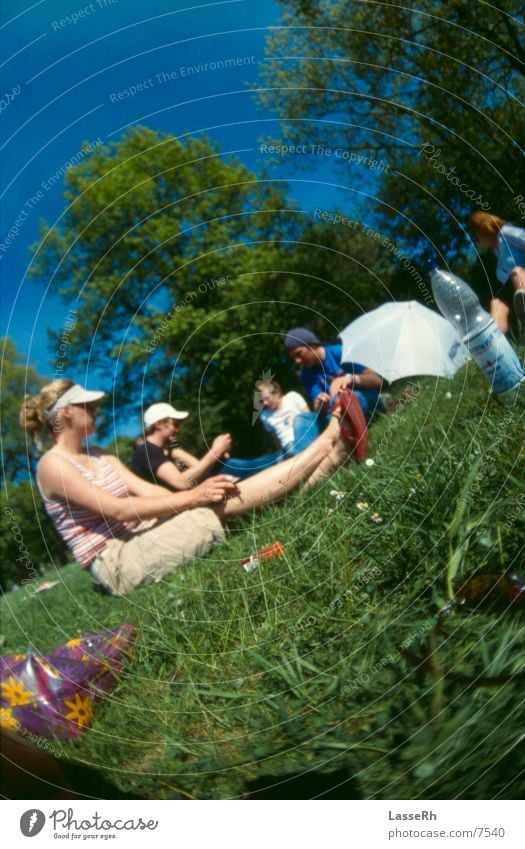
(87, 533)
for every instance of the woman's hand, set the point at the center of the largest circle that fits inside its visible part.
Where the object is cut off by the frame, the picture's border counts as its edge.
(214, 490)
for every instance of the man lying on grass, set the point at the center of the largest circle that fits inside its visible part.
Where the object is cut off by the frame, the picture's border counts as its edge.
(127, 531)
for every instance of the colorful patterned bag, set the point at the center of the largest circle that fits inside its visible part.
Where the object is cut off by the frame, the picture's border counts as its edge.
(54, 695)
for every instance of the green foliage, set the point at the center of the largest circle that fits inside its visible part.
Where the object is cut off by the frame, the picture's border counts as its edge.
(384, 79)
(121, 447)
(326, 662)
(17, 379)
(28, 540)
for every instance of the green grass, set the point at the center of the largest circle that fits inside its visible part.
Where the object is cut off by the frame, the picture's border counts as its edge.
(239, 679)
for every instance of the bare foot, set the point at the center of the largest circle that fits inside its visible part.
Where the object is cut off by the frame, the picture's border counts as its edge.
(352, 423)
(338, 440)
(334, 425)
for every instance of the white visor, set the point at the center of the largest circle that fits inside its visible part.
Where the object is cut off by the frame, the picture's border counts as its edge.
(74, 395)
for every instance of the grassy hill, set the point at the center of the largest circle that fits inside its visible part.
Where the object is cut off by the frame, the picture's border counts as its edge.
(322, 672)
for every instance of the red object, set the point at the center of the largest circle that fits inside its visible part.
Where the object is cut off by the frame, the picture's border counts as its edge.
(353, 423)
(274, 550)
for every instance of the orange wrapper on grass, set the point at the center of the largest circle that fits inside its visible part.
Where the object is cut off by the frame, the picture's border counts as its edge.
(274, 550)
(353, 423)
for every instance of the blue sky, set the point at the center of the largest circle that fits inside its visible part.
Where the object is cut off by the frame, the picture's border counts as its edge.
(76, 71)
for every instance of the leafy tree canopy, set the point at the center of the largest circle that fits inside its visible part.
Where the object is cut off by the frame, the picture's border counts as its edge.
(386, 79)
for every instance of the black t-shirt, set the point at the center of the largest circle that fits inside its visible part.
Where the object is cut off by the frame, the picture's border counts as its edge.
(146, 459)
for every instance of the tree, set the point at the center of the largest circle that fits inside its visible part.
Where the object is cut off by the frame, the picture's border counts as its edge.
(186, 270)
(17, 380)
(433, 89)
(28, 540)
(347, 267)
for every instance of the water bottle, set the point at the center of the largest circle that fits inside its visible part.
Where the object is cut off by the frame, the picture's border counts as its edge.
(486, 344)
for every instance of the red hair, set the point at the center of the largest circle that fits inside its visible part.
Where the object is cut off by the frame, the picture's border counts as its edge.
(482, 225)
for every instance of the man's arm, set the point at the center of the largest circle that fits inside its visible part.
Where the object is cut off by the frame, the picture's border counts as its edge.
(168, 473)
(312, 382)
(150, 459)
(220, 447)
(367, 379)
(517, 277)
(184, 457)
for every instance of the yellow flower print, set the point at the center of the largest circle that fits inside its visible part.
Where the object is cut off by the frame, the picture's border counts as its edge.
(7, 720)
(71, 644)
(15, 692)
(51, 669)
(80, 710)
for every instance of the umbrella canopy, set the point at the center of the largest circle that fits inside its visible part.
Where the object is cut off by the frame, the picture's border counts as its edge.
(403, 339)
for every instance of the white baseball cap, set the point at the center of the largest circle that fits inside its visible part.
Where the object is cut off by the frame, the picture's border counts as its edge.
(76, 394)
(157, 412)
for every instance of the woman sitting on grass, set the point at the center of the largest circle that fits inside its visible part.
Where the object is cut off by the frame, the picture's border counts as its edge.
(127, 531)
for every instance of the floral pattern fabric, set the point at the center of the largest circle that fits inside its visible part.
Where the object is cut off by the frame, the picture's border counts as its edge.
(54, 695)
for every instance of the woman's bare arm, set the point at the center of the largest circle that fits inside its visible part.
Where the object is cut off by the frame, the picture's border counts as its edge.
(136, 485)
(60, 479)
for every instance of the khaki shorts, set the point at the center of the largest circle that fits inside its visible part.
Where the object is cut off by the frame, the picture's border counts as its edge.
(154, 548)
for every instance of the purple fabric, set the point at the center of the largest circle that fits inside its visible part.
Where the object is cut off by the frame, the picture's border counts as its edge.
(54, 695)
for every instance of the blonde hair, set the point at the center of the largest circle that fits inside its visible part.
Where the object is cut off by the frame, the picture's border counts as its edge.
(33, 417)
(482, 225)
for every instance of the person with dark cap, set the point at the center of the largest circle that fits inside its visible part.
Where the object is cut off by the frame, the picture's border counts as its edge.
(323, 374)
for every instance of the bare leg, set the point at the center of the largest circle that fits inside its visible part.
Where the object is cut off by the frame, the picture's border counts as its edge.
(337, 456)
(326, 453)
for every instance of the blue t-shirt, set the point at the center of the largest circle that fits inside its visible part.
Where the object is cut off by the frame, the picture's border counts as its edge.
(317, 379)
(510, 251)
